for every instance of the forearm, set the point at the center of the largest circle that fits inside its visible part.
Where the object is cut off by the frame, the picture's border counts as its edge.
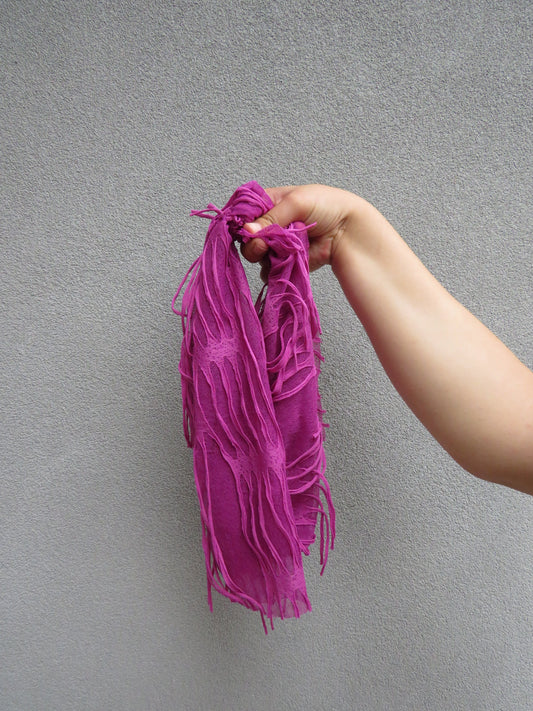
(465, 386)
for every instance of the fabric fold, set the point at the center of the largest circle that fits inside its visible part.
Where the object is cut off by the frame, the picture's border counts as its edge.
(252, 413)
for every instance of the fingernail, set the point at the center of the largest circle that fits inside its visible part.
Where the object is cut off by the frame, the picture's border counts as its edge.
(252, 227)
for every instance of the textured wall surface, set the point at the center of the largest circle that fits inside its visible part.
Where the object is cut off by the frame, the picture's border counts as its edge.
(116, 119)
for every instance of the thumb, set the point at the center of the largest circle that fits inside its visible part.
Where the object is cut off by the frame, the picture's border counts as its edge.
(287, 209)
(281, 214)
(260, 223)
(290, 204)
(255, 248)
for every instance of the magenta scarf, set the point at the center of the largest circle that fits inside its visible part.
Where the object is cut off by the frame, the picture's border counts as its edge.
(251, 411)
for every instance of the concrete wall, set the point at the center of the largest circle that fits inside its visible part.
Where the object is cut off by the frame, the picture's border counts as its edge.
(116, 119)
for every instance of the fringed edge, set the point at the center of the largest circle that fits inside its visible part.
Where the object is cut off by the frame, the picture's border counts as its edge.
(292, 297)
(276, 603)
(327, 519)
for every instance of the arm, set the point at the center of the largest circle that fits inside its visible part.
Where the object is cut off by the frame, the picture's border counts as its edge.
(463, 384)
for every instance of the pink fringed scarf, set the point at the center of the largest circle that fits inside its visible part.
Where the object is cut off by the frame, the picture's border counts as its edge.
(252, 411)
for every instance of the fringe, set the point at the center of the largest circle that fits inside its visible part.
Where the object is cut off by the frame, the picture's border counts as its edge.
(249, 374)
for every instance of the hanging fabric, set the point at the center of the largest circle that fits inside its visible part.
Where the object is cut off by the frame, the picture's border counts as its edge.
(251, 411)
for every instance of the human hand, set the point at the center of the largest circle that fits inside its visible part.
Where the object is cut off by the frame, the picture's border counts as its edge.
(332, 209)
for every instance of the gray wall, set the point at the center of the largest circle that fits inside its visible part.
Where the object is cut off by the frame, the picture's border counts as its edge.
(116, 120)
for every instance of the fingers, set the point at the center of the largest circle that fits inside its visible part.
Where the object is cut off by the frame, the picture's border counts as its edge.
(254, 250)
(287, 209)
(277, 194)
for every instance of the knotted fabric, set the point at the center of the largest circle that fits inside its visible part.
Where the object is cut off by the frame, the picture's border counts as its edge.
(251, 411)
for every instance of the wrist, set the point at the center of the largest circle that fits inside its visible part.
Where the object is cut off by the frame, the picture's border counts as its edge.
(355, 233)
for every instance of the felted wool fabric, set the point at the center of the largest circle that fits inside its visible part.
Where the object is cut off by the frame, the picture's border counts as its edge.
(252, 411)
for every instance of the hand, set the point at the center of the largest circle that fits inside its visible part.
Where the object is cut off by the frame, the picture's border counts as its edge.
(330, 208)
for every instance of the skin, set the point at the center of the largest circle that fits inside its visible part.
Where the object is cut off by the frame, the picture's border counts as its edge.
(465, 386)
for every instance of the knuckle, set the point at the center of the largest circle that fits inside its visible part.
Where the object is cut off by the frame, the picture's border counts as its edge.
(267, 219)
(299, 202)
